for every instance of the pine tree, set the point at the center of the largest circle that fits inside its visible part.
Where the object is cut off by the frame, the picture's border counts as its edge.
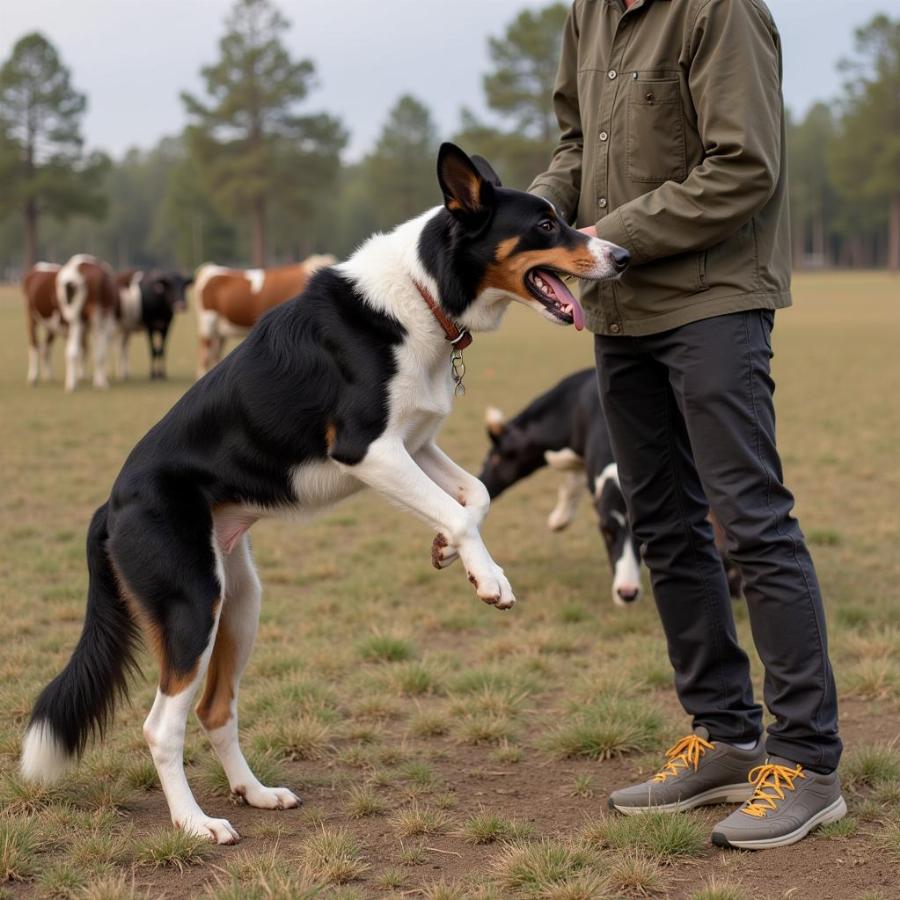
(400, 171)
(525, 61)
(864, 160)
(43, 166)
(249, 143)
(519, 90)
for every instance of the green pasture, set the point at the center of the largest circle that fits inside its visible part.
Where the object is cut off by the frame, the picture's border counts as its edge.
(444, 749)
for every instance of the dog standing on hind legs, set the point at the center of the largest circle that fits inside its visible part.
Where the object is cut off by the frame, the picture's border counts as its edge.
(343, 387)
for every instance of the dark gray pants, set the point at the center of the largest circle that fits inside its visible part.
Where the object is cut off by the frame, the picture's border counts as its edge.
(692, 424)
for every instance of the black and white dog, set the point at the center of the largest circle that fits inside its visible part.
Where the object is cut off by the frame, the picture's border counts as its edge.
(148, 302)
(343, 387)
(565, 429)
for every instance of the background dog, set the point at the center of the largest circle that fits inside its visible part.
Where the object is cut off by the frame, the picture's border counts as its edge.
(565, 428)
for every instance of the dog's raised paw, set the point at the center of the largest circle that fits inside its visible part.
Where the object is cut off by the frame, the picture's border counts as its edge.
(442, 553)
(494, 589)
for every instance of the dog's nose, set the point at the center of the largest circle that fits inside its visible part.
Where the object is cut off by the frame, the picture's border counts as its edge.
(621, 257)
(628, 592)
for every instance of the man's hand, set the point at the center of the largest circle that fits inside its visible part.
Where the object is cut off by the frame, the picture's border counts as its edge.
(590, 231)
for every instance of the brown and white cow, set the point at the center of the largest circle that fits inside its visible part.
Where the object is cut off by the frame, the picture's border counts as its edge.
(230, 301)
(43, 318)
(86, 296)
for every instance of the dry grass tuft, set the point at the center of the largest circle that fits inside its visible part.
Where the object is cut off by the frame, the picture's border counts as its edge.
(363, 801)
(535, 868)
(385, 648)
(333, 856)
(636, 875)
(611, 726)
(486, 827)
(172, 848)
(418, 820)
(305, 737)
(870, 765)
(660, 835)
(119, 886)
(20, 842)
(714, 889)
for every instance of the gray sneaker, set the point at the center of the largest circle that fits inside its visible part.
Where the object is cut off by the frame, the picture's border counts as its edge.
(787, 803)
(698, 772)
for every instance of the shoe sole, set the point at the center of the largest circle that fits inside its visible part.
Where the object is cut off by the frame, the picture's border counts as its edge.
(832, 813)
(729, 793)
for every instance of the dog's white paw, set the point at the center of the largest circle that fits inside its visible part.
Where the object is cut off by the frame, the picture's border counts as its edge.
(218, 830)
(493, 587)
(268, 798)
(443, 553)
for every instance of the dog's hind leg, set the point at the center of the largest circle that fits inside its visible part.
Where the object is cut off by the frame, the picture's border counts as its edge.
(169, 574)
(217, 709)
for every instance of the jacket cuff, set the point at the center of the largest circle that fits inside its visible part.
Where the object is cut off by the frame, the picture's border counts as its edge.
(614, 228)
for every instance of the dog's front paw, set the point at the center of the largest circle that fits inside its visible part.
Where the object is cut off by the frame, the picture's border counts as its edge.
(493, 587)
(267, 798)
(442, 552)
(219, 831)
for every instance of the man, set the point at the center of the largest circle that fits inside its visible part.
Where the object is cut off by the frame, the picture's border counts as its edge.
(672, 146)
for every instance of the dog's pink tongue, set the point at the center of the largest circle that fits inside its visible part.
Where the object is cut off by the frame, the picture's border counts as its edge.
(564, 295)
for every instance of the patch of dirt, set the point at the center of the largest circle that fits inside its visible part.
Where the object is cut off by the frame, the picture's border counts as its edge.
(538, 791)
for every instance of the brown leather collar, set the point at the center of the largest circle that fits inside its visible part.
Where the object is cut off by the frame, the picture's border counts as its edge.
(460, 338)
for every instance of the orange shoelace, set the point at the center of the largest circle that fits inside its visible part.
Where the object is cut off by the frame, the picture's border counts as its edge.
(683, 755)
(770, 777)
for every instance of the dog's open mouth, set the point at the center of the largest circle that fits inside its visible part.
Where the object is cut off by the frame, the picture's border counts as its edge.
(548, 289)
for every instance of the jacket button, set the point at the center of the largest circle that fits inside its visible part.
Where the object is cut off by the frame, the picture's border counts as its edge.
(602, 203)
(604, 136)
(648, 97)
(614, 328)
(611, 74)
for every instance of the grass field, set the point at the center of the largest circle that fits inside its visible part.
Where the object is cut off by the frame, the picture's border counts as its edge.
(444, 749)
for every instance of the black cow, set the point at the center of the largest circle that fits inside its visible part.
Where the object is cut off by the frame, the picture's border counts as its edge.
(147, 301)
(565, 428)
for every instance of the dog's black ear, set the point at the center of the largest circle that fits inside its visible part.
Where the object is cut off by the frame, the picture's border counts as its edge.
(486, 170)
(468, 195)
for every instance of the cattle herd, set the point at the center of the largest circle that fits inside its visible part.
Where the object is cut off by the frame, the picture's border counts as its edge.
(85, 302)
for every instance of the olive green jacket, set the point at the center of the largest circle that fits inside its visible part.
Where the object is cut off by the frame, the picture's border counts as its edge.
(672, 143)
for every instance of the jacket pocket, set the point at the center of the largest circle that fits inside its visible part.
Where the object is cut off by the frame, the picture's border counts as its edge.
(655, 149)
(660, 286)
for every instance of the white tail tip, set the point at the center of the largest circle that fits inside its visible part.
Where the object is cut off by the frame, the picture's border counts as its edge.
(44, 758)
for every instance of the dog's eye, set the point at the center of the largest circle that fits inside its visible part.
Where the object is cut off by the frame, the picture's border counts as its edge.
(547, 225)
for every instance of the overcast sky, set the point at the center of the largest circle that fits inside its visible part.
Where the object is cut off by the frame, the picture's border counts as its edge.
(132, 57)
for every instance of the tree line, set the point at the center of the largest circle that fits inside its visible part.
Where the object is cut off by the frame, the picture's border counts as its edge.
(257, 176)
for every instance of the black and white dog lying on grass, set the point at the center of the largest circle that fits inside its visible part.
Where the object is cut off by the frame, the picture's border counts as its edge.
(340, 388)
(565, 429)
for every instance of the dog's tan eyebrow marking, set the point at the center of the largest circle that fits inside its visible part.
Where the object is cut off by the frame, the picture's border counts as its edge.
(506, 248)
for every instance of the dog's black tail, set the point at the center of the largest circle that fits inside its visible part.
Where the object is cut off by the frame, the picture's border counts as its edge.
(81, 700)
